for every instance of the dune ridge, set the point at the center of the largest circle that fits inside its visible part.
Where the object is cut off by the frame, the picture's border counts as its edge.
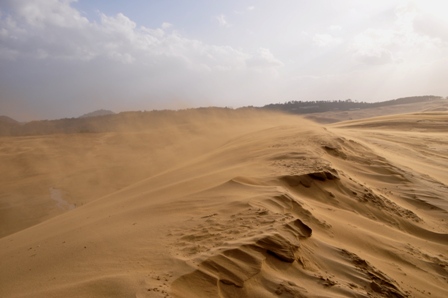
(265, 205)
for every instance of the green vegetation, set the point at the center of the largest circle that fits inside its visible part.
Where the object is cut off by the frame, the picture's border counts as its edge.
(307, 107)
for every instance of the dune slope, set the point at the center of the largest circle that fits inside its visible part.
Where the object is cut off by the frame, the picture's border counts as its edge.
(269, 206)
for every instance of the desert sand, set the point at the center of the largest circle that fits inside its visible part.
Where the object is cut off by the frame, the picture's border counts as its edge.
(231, 203)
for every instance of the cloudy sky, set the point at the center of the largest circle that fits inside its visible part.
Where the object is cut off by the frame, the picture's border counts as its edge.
(64, 58)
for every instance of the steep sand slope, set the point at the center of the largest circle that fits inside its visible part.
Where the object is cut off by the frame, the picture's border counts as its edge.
(283, 209)
(44, 176)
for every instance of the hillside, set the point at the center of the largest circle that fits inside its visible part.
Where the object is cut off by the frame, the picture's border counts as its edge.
(97, 113)
(309, 107)
(319, 111)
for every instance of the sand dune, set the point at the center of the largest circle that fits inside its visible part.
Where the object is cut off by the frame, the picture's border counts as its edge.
(438, 105)
(229, 204)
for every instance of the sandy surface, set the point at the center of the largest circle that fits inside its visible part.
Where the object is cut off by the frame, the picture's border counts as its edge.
(229, 204)
(440, 105)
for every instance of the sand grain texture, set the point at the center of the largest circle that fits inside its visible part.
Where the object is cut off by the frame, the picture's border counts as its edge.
(229, 204)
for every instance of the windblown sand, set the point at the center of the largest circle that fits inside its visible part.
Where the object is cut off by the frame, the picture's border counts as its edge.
(229, 204)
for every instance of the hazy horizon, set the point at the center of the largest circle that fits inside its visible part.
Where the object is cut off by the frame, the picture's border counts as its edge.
(63, 58)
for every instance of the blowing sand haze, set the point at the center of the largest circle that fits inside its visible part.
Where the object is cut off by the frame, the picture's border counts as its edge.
(228, 203)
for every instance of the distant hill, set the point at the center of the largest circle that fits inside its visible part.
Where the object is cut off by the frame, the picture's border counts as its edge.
(8, 126)
(6, 119)
(108, 121)
(97, 113)
(124, 121)
(308, 107)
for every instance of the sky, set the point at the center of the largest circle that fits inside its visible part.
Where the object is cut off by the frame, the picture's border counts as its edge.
(65, 58)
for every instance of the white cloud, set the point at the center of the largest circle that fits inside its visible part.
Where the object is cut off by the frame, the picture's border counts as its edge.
(43, 13)
(120, 25)
(113, 59)
(263, 59)
(222, 20)
(432, 24)
(61, 56)
(409, 39)
(335, 28)
(373, 46)
(115, 37)
(166, 25)
(250, 8)
(325, 40)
